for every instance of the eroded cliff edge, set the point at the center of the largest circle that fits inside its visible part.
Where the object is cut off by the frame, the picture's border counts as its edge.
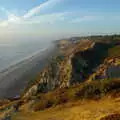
(77, 62)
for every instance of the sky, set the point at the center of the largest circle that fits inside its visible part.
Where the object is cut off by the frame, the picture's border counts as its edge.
(55, 19)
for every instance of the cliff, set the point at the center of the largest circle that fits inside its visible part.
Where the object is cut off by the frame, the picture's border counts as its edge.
(84, 74)
(59, 73)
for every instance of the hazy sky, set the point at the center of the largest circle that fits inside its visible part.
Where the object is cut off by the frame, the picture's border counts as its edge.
(25, 19)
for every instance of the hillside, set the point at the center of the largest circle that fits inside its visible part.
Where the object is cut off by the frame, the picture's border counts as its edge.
(82, 82)
(82, 110)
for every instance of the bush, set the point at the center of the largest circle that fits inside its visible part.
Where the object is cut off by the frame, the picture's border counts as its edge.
(42, 104)
(97, 89)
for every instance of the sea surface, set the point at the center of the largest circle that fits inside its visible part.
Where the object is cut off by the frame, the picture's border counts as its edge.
(20, 63)
(13, 53)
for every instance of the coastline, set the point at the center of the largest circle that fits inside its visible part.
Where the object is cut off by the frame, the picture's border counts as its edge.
(14, 79)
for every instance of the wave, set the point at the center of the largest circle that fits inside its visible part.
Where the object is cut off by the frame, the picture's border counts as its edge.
(6, 45)
(28, 58)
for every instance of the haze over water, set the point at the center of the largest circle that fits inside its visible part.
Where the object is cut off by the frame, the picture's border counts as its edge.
(51, 18)
(12, 53)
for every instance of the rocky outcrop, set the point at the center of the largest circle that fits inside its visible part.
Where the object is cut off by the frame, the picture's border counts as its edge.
(109, 69)
(56, 75)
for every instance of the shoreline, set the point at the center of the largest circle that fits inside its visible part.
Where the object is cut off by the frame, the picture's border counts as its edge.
(14, 79)
(22, 61)
(18, 62)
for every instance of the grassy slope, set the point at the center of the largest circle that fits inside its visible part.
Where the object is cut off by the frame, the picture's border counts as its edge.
(80, 110)
(115, 51)
(89, 108)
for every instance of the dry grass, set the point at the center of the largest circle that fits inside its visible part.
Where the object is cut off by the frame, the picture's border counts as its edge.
(115, 51)
(94, 90)
(80, 110)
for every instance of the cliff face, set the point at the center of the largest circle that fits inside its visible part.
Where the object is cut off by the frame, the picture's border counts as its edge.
(109, 69)
(84, 61)
(56, 75)
(59, 73)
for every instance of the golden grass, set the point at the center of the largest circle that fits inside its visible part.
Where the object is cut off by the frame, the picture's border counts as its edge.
(81, 110)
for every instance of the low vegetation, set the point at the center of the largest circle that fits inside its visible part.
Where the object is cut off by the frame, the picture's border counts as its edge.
(92, 90)
(114, 51)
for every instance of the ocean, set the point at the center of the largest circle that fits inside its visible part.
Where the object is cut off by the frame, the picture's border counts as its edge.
(13, 53)
(20, 63)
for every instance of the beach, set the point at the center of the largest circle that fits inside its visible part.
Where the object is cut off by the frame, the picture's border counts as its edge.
(14, 79)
